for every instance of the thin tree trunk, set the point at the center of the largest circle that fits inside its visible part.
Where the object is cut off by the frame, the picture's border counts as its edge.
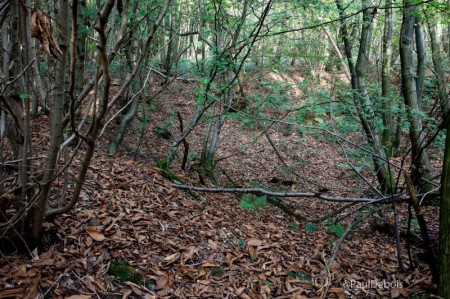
(57, 124)
(388, 119)
(420, 48)
(439, 70)
(113, 147)
(444, 224)
(81, 47)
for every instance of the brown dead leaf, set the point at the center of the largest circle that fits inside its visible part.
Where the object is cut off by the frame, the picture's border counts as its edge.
(203, 281)
(397, 292)
(8, 293)
(79, 297)
(42, 31)
(172, 258)
(240, 293)
(338, 291)
(95, 234)
(254, 242)
(212, 244)
(188, 253)
(207, 264)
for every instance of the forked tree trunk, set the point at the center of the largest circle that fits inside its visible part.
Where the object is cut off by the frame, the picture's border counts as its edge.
(362, 99)
(421, 164)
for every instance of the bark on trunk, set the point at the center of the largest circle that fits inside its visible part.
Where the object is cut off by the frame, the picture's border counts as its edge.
(421, 165)
(361, 94)
(57, 124)
(444, 225)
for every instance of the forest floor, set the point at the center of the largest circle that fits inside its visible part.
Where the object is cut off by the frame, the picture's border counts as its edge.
(133, 235)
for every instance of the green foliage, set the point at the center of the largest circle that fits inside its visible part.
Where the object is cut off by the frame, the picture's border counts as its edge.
(347, 166)
(165, 172)
(311, 227)
(144, 116)
(253, 202)
(217, 271)
(123, 272)
(293, 227)
(302, 276)
(337, 229)
(240, 242)
(439, 143)
(163, 132)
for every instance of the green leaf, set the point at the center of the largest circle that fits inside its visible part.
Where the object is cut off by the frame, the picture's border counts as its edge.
(293, 227)
(337, 229)
(24, 96)
(319, 120)
(299, 275)
(311, 227)
(344, 165)
(253, 202)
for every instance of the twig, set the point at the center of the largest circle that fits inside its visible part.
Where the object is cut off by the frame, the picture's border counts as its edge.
(185, 143)
(18, 76)
(397, 239)
(431, 257)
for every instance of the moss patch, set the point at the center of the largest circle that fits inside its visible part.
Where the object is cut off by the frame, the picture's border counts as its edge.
(122, 272)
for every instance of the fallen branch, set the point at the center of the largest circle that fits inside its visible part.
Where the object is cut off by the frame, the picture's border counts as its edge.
(261, 191)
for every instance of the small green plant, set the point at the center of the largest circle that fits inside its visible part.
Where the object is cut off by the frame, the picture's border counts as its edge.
(311, 227)
(240, 242)
(292, 227)
(301, 276)
(253, 202)
(163, 132)
(337, 229)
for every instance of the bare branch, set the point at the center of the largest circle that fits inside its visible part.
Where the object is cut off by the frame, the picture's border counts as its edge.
(261, 191)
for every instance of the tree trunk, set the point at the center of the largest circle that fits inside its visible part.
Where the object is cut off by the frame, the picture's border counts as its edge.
(58, 99)
(388, 119)
(135, 71)
(420, 48)
(444, 225)
(81, 47)
(362, 99)
(439, 69)
(421, 165)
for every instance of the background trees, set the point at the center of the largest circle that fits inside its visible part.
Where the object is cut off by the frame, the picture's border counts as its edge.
(92, 69)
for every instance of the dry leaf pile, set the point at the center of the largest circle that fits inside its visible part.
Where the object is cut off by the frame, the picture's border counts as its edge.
(196, 245)
(189, 247)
